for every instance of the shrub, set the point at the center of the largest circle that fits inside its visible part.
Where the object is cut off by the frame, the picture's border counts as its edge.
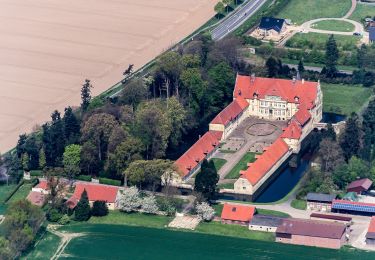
(84, 177)
(205, 211)
(109, 181)
(99, 208)
(167, 205)
(64, 220)
(149, 204)
(130, 200)
(53, 215)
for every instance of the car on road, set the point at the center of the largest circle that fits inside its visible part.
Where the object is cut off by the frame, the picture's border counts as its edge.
(357, 34)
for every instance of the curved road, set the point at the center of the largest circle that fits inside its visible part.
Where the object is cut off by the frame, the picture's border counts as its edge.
(235, 20)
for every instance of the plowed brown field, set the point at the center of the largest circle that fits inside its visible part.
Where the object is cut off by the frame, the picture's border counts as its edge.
(49, 47)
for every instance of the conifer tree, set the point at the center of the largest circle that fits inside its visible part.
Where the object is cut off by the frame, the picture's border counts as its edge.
(332, 55)
(86, 95)
(82, 210)
(206, 180)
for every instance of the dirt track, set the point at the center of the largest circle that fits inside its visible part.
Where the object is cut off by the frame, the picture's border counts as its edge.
(48, 48)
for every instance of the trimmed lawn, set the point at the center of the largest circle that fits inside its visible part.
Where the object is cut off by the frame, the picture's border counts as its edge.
(21, 193)
(226, 186)
(218, 209)
(362, 11)
(45, 248)
(241, 165)
(132, 219)
(5, 190)
(299, 204)
(216, 228)
(332, 25)
(272, 213)
(300, 11)
(218, 163)
(344, 99)
(318, 41)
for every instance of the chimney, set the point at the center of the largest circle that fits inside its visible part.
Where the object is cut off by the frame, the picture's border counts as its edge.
(294, 80)
(303, 81)
(252, 77)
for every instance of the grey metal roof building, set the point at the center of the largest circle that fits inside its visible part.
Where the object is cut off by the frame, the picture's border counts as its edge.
(266, 220)
(321, 197)
(271, 23)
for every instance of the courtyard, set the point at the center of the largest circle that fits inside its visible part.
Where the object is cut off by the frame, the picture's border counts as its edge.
(251, 136)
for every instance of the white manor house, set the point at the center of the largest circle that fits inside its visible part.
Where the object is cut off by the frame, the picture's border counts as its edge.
(297, 102)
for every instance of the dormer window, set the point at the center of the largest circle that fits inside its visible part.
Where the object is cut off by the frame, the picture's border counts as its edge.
(255, 95)
(239, 93)
(296, 99)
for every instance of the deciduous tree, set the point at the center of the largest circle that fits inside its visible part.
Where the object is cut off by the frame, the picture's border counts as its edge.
(72, 160)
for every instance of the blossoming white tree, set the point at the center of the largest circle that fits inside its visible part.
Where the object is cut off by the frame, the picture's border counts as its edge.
(129, 199)
(205, 211)
(149, 204)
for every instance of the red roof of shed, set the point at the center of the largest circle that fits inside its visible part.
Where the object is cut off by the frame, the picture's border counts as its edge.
(237, 212)
(198, 151)
(231, 111)
(305, 91)
(292, 131)
(42, 184)
(362, 183)
(265, 162)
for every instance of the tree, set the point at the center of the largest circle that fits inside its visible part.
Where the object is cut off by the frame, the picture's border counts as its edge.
(129, 71)
(329, 132)
(86, 95)
(71, 126)
(331, 57)
(170, 66)
(227, 4)
(301, 68)
(273, 67)
(25, 162)
(195, 86)
(330, 154)
(350, 139)
(205, 211)
(71, 160)
(149, 205)
(99, 209)
(82, 210)
(177, 116)
(219, 8)
(5, 252)
(89, 158)
(134, 92)
(206, 180)
(42, 159)
(129, 199)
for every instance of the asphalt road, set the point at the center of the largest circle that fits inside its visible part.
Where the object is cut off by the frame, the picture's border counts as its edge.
(236, 19)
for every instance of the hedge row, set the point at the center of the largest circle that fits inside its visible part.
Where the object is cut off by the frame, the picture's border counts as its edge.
(36, 173)
(109, 181)
(84, 177)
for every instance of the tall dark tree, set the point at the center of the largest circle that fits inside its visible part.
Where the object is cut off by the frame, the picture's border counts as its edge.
(350, 139)
(82, 211)
(331, 57)
(20, 148)
(366, 150)
(206, 180)
(99, 208)
(361, 54)
(301, 68)
(71, 126)
(273, 67)
(86, 95)
(329, 132)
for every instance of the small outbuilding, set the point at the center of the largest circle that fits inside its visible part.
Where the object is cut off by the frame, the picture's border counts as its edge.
(311, 233)
(359, 186)
(319, 201)
(271, 25)
(370, 235)
(237, 214)
(265, 223)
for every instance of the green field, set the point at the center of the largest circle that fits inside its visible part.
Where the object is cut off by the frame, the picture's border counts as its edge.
(21, 193)
(45, 248)
(344, 99)
(300, 11)
(241, 165)
(226, 185)
(125, 242)
(362, 11)
(5, 190)
(332, 25)
(299, 204)
(318, 41)
(218, 163)
(272, 213)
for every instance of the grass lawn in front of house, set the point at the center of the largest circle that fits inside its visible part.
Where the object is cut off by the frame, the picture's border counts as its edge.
(362, 11)
(272, 212)
(241, 165)
(5, 191)
(226, 185)
(218, 163)
(344, 99)
(21, 193)
(299, 204)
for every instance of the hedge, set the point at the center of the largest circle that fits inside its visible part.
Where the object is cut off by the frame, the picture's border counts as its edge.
(84, 177)
(36, 173)
(109, 181)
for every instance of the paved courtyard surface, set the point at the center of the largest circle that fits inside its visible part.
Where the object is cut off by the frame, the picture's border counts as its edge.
(49, 47)
(256, 134)
(185, 222)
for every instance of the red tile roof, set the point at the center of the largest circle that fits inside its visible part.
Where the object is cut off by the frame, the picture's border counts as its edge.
(36, 198)
(231, 111)
(42, 185)
(95, 192)
(198, 152)
(265, 162)
(312, 228)
(363, 183)
(237, 212)
(302, 115)
(371, 227)
(305, 91)
(292, 131)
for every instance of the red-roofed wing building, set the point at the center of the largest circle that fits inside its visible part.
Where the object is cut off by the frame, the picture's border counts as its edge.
(95, 192)
(359, 186)
(237, 214)
(42, 187)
